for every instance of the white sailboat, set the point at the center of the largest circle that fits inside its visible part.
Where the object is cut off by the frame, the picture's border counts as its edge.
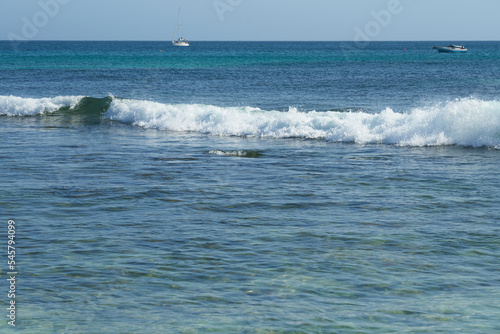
(180, 41)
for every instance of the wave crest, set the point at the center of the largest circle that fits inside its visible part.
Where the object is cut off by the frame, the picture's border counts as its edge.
(21, 106)
(468, 122)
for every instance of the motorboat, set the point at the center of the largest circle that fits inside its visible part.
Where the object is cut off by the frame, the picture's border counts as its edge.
(451, 48)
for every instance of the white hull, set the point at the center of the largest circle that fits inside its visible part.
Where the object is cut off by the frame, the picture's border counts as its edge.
(444, 49)
(451, 48)
(180, 43)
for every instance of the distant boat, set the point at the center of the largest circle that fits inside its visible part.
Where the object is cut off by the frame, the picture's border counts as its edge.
(180, 41)
(451, 48)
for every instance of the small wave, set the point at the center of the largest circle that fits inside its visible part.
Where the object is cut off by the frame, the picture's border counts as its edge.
(21, 106)
(241, 154)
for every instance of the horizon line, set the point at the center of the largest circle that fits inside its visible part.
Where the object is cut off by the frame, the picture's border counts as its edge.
(257, 41)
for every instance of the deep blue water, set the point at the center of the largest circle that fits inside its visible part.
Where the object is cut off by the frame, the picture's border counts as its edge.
(248, 187)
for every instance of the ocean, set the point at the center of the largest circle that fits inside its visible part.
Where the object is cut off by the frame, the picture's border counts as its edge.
(250, 187)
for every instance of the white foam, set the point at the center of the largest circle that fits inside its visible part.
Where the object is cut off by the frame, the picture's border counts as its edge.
(234, 153)
(20, 106)
(467, 122)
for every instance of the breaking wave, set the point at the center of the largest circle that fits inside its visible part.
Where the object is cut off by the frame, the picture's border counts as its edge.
(465, 122)
(21, 106)
(468, 122)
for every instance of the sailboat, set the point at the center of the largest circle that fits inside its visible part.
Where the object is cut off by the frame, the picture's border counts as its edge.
(180, 41)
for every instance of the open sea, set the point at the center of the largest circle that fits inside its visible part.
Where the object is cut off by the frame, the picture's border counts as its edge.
(250, 187)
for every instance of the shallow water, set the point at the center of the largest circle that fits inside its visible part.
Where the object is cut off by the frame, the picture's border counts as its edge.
(219, 211)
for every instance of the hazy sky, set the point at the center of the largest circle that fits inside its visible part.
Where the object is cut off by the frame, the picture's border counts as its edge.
(347, 20)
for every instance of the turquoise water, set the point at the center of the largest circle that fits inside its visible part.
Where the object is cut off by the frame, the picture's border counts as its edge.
(251, 187)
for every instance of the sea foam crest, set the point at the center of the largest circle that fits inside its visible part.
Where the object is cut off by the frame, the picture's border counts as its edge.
(21, 106)
(467, 122)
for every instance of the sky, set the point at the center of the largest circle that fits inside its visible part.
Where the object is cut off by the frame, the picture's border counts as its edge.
(251, 20)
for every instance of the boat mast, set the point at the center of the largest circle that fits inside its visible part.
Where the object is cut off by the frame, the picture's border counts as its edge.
(179, 22)
(178, 25)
